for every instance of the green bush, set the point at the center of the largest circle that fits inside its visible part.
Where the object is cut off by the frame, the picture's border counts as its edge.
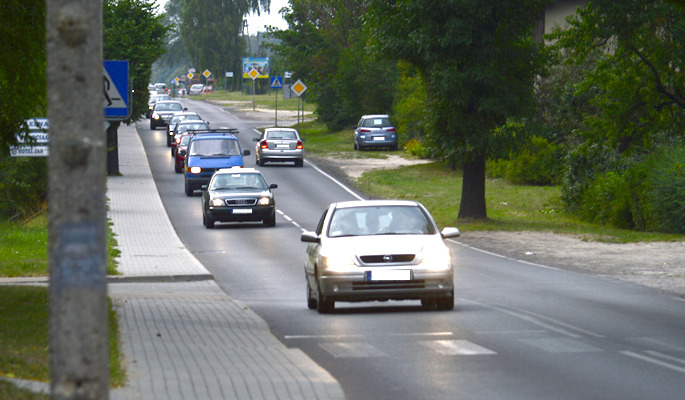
(664, 205)
(23, 185)
(607, 200)
(648, 196)
(416, 148)
(538, 163)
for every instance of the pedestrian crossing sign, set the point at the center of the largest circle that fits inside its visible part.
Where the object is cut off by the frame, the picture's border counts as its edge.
(276, 82)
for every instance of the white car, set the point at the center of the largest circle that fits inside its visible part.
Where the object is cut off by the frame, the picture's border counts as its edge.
(378, 250)
(196, 88)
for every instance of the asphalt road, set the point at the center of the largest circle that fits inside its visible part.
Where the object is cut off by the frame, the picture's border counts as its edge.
(518, 330)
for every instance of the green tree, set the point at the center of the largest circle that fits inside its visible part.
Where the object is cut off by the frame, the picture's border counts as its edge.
(627, 102)
(132, 31)
(212, 32)
(22, 69)
(325, 46)
(478, 61)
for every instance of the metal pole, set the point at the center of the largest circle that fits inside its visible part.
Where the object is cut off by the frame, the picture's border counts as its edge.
(78, 322)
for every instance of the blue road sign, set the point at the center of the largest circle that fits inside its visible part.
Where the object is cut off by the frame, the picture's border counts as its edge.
(276, 82)
(116, 90)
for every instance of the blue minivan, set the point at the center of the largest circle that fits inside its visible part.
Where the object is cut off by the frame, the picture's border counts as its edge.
(209, 151)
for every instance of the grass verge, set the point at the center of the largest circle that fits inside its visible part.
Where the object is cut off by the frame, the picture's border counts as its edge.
(24, 309)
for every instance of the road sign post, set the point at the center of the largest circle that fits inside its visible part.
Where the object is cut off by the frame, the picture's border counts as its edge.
(299, 88)
(276, 83)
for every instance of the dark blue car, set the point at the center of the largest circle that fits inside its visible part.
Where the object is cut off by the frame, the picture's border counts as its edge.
(209, 151)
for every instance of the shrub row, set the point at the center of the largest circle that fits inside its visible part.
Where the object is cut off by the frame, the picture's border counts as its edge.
(647, 196)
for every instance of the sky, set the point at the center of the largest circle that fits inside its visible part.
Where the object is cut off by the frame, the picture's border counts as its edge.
(258, 23)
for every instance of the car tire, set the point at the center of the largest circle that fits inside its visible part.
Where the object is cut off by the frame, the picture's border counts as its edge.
(177, 168)
(261, 162)
(354, 144)
(270, 221)
(189, 190)
(311, 299)
(152, 126)
(323, 304)
(446, 303)
(393, 147)
(208, 222)
(299, 163)
(168, 140)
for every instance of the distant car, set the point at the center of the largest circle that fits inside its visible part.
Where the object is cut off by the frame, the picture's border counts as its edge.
(279, 145)
(238, 195)
(209, 151)
(208, 89)
(196, 88)
(375, 130)
(187, 126)
(161, 88)
(154, 98)
(175, 119)
(378, 250)
(163, 111)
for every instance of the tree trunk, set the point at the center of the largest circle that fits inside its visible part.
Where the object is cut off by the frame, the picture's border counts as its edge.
(113, 149)
(473, 190)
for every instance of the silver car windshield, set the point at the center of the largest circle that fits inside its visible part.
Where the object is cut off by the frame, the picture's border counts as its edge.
(384, 220)
(238, 182)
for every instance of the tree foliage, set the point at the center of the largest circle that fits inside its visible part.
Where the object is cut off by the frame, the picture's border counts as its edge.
(133, 31)
(618, 97)
(478, 61)
(636, 83)
(23, 84)
(211, 32)
(325, 46)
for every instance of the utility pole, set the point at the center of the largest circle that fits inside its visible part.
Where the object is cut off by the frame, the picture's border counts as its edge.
(78, 323)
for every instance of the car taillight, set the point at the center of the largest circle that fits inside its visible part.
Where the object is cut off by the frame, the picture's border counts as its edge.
(299, 145)
(264, 144)
(390, 129)
(365, 130)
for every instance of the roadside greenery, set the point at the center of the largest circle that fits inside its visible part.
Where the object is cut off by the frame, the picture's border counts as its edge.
(513, 207)
(24, 309)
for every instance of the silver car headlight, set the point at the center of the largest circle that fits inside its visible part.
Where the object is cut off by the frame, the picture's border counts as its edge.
(217, 202)
(338, 263)
(264, 201)
(436, 259)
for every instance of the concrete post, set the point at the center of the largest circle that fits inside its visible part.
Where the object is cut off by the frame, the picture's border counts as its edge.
(78, 323)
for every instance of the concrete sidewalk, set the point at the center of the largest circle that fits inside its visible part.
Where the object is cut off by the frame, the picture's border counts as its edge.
(182, 336)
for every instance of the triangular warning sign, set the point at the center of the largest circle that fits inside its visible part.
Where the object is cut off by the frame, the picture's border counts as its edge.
(111, 96)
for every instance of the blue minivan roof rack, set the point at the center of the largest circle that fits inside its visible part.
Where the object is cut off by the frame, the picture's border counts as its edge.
(217, 131)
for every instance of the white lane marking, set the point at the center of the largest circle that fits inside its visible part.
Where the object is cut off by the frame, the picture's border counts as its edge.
(505, 257)
(456, 348)
(654, 361)
(560, 345)
(352, 350)
(545, 322)
(337, 182)
(429, 334)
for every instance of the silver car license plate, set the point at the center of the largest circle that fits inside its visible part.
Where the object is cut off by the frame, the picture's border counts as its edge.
(389, 275)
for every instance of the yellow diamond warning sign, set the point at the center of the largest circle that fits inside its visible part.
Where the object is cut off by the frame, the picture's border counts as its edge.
(298, 88)
(253, 73)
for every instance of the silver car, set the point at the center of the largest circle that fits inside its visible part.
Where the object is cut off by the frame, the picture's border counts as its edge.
(279, 145)
(175, 119)
(375, 130)
(378, 250)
